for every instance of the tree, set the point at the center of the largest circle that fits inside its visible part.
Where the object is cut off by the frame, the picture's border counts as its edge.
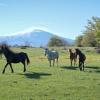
(56, 41)
(78, 41)
(91, 35)
(89, 40)
(93, 30)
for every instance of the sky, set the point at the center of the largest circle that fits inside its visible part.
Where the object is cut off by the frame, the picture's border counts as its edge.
(66, 18)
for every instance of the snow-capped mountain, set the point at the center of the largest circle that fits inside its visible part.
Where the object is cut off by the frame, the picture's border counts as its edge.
(36, 38)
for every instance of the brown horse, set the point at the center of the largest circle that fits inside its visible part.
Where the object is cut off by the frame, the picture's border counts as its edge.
(73, 57)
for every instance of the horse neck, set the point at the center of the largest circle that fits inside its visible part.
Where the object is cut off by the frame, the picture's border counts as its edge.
(7, 52)
(79, 53)
(48, 52)
(71, 53)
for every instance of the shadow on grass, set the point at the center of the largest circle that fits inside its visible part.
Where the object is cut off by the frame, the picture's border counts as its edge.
(69, 67)
(97, 71)
(89, 69)
(34, 75)
(92, 69)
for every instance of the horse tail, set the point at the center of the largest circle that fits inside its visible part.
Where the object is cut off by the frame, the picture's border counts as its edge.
(27, 58)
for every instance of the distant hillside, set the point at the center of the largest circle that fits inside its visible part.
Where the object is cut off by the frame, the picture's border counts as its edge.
(35, 38)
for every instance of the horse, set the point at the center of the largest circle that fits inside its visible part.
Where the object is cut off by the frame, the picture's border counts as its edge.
(82, 59)
(12, 57)
(52, 55)
(73, 57)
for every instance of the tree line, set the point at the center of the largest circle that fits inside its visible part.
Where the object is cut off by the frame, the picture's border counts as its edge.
(91, 34)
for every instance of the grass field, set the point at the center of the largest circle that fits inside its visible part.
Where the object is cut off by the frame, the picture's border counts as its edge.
(41, 82)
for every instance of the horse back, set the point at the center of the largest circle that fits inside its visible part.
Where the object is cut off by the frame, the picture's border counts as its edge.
(82, 57)
(17, 57)
(53, 55)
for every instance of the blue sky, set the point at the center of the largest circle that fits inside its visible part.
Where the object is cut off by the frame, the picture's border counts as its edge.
(66, 18)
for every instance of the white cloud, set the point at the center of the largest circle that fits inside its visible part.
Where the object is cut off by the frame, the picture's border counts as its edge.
(36, 29)
(30, 29)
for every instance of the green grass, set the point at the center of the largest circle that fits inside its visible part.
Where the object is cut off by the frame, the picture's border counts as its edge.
(42, 82)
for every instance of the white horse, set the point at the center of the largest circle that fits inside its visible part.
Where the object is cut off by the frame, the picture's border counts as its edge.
(52, 55)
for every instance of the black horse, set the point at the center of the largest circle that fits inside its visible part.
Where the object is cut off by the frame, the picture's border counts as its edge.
(82, 59)
(12, 57)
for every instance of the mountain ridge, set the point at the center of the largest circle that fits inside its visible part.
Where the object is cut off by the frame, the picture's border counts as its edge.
(35, 38)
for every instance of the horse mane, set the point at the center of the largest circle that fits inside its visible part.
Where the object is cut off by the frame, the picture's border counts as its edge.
(6, 47)
(78, 50)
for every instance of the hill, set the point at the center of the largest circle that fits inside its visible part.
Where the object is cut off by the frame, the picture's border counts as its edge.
(36, 38)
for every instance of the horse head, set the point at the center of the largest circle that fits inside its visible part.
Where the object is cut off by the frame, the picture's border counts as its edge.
(46, 51)
(69, 50)
(78, 52)
(4, 49)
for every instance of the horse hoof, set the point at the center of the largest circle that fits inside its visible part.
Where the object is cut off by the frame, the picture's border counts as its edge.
(24, 71)
(3, 72)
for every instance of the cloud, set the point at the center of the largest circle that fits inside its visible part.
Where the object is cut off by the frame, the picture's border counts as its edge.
(30, 29)
(36, 29)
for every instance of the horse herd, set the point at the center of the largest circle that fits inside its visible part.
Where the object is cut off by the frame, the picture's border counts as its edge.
(52, 55)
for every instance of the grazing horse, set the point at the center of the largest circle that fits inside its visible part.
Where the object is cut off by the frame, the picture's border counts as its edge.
(73, 57)
(82, 59)
(12, 57)
(52, 55)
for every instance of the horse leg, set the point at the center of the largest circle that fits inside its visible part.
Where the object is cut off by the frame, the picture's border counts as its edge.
(74, 62)
(50, 62)
(11, 67)
(4, 68)
(53, 62)
(80, 66)
(71, 62)
(57, 62)
(24, 66)
(83, 66)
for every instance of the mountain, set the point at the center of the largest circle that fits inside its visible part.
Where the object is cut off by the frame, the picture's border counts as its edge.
(36, 38)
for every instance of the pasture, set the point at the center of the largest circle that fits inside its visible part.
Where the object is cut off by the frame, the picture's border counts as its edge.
(41, 82)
